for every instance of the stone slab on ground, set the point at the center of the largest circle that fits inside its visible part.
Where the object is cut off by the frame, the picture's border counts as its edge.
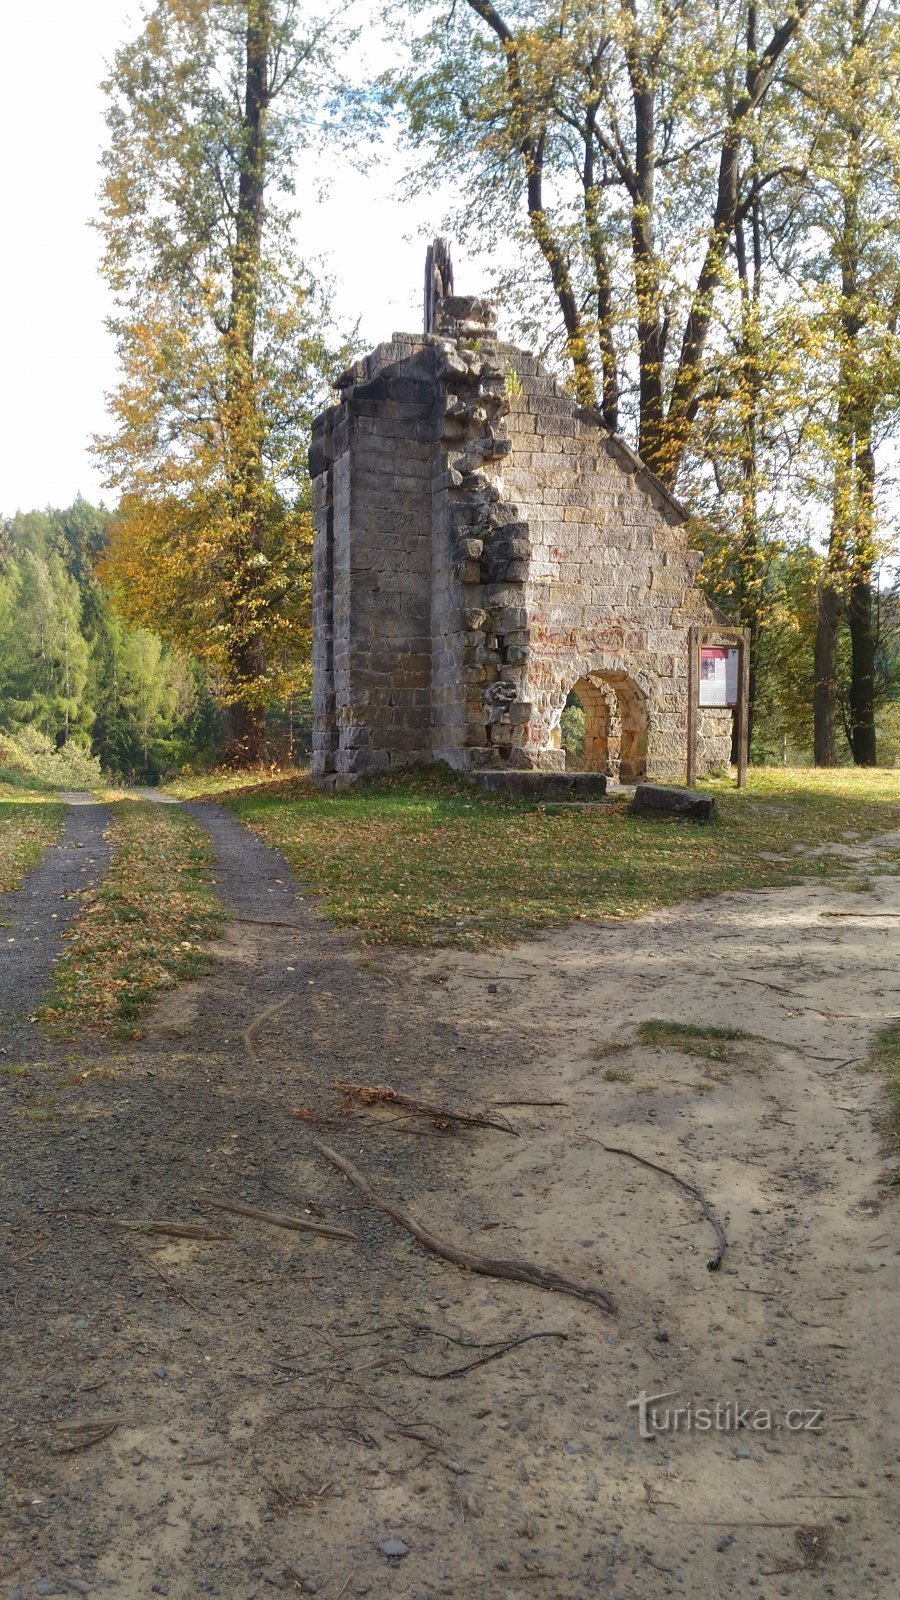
(525, 785)
(657, 799)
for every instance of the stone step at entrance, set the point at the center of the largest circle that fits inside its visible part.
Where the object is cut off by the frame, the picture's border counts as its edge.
(538, 786)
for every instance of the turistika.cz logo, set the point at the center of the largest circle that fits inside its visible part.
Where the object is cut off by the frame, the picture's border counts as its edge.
(720, 1417)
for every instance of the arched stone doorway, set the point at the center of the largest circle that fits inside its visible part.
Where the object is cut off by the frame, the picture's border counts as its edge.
(616, 725)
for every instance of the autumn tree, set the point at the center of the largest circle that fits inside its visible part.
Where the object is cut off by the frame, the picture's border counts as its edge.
(851, 99)
(218, 330)
(618, 129)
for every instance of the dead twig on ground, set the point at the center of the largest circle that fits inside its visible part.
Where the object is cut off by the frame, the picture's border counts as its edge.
(81, 1435)
(715, 1260)
(277, 1219)
(493, 1355)
(815, 1548)
(529, 1102)
(383, 1094)
(173, 1230)
(169, 1283)
(33, 1250)
(248, 1037)
(649, 1562)
(517, 1271)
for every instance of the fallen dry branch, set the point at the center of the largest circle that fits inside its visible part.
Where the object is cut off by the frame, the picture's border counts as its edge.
(249, 1034)
(173, 1230)
(715, 1260)
(493, 1355)
(168, 1282)
(81, 1435)
(487, 1266)
(370, 1094)
(277, 1219)
(530, 1102)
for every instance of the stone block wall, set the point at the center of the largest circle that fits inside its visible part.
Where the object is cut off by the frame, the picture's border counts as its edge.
(611, 589)
(372, 467)
(483, 547)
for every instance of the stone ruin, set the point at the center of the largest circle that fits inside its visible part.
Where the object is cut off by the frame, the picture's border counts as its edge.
(483, 547)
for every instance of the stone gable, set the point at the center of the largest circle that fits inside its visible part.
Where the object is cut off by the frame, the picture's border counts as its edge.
(483, 547)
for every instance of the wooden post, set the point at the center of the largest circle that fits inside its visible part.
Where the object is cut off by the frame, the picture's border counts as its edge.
(743, 710)
(693, 692)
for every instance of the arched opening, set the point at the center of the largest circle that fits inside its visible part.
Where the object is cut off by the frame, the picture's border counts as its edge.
(604, 726)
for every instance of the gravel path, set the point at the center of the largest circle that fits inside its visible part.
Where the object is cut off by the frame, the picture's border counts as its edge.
(37, 914)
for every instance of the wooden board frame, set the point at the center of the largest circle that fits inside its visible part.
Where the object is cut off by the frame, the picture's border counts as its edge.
(729, 638)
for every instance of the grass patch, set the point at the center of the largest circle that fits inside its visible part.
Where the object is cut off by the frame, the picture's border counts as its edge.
(29, 822)
(884, 1054)
(228, 781)
(144, 929)
(690, 1038)
(424, 858)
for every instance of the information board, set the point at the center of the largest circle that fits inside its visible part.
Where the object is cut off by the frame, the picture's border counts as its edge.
(719, 675)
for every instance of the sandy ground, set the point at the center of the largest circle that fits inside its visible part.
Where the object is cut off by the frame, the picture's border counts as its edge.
(281, 1406)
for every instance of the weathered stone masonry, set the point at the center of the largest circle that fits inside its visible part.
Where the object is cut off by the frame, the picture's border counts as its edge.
(483, 546)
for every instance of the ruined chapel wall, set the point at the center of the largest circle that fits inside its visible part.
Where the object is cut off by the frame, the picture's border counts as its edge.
(611, 584)
(481, 546)
(380, 539)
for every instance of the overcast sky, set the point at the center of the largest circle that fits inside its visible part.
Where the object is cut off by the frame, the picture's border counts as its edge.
(57, 359)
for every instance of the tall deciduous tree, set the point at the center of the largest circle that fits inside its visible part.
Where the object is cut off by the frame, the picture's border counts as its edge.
(852, 97)
(219, 341)
(622, 126)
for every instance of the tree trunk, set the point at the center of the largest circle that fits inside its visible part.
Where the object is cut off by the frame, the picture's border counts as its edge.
(825, 674)
(861, 614)
(245, 744)
(602, 282)
(751, 572)
(247, 654)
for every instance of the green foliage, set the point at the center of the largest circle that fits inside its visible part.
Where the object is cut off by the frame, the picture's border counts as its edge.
(571, 725)
(693, 1039)
(79, 689)
(44, 765)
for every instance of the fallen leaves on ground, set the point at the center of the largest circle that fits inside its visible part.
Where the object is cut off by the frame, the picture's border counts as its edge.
(145, 928)
(27, 827)
(425, 858)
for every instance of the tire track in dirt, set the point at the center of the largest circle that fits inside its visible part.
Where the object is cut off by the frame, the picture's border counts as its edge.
(38, 913)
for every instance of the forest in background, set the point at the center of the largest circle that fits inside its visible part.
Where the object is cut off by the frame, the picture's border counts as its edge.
(82, 692)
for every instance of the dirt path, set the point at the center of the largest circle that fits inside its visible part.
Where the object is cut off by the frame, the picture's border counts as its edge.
(35, 916)
(270, 1432)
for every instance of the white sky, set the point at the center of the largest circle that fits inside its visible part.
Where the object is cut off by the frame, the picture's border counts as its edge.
(57, 359)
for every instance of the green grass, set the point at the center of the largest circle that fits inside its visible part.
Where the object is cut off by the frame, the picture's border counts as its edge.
(226, 781)
(144, 929)
(691, 1038)
(29, 822)
(884, 1055)
(424, 858)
